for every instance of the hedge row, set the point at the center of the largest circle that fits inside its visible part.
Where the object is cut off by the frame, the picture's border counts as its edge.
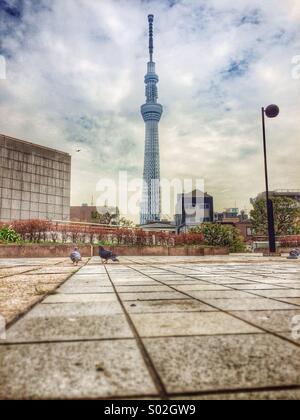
(39, 231)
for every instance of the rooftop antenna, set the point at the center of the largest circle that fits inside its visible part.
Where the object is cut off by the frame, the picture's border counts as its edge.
(151, 45)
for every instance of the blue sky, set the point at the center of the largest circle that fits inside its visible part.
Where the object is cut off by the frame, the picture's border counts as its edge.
(75, 72)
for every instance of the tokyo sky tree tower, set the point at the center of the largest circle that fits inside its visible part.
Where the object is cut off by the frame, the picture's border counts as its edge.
(151, 112)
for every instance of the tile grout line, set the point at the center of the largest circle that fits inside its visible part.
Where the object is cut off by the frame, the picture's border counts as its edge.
(225, 391)
(253, 292)
(145, 355)
(280, 285)
(255, 282)
(96, 340)
(231, 314)
(40, 301)
(22, 273)
(163, 394)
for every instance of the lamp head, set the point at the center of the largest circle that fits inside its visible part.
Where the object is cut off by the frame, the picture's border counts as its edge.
(272, 111)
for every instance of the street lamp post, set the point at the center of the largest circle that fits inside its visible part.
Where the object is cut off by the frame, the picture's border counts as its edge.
(272, 111)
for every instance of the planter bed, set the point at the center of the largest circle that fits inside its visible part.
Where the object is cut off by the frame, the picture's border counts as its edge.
(64, 250)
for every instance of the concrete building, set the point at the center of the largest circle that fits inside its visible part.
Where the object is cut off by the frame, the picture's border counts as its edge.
(294, 194)
(240, 220)
(245, 229)
(194, 208)
(35, 181)
(231, 215)
(93, 214)
(151, 112)
(228, 215)
(166, 227)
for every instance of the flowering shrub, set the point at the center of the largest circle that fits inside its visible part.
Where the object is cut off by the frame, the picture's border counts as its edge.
(191, 238)
(32, 230)
(38, 231)
(54, 232)
(290, 241)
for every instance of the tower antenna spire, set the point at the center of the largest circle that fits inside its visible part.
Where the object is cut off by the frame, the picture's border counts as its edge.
(151, 45)
(151, 112)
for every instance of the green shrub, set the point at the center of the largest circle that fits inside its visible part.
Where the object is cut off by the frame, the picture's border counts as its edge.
(216, 234)
(286, 216)
(9, 235)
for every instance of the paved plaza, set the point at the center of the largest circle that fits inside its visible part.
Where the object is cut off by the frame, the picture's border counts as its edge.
(25, 282)
(160, 328)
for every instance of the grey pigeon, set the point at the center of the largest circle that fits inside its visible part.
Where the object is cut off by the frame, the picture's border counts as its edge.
(107, 255)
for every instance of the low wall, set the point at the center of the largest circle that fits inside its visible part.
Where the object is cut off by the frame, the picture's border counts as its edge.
(216, 251)
(279, 251)
(63, 251)
(41, 251)
(179, 251)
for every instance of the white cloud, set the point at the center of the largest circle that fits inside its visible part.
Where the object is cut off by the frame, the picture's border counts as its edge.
(75, 78)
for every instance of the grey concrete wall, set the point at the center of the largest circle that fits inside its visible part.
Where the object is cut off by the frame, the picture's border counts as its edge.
(35, 181)
(64, 250)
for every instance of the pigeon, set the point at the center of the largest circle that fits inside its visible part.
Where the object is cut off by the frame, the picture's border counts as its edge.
(107, 255)
(294, 254)
(75, 256)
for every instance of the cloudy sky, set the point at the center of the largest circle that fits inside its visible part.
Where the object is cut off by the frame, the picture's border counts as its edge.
(75, 72)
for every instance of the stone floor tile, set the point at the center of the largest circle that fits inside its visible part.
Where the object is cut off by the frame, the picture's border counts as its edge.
(76, 309)
(212, 363)
(62, 328)
(292, 301)
(191, 323)
(257, 304)
(196, 287)
(152, 296)
(143, 289)
(84, 289)
(274, 321)
(280, 395)
(84, 298)
(82, 370)
(278, 294)
(223, 294)
(258, 286)
(165, 306)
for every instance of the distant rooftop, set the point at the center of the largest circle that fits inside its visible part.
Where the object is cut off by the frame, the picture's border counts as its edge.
(296, 191)
(195, 193)
(281, 192)
(159, 225)
(27, 143)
